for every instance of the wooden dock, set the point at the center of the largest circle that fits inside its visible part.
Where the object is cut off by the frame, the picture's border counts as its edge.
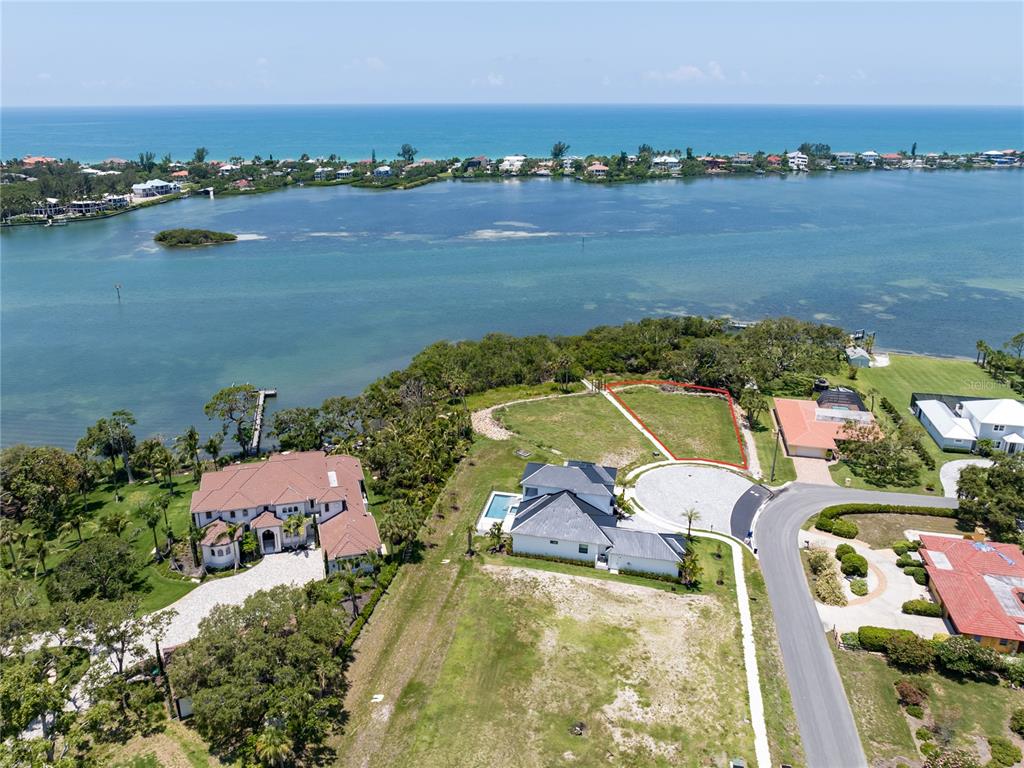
(257, 427)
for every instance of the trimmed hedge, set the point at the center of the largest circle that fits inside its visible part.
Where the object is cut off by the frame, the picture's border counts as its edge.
(845, 529)
(922, 608)
(843, 550)
(859, 587)
(855, 565)
(387, 575)
(828, 518)
(905, 561)
(875, 638)
(919, 574)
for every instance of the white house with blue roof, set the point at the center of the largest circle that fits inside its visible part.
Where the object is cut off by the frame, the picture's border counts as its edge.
(568, 512)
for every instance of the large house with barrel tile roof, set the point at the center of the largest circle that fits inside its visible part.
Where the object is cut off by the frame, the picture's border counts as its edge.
(326, 493)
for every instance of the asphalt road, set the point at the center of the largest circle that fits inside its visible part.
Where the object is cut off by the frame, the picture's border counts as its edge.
(823, 713)
(744, 510)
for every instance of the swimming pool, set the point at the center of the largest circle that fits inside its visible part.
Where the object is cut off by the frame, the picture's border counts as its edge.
(497, 508)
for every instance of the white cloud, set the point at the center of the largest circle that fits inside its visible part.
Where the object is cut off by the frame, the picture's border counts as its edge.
(687, 73)
(491, 80)
(819, 79)
(859, 74)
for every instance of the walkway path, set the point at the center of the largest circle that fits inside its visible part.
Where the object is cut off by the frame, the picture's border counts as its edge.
(650, 521)
(485, 424)
(949, 473)
(827, 727)
(813, 471)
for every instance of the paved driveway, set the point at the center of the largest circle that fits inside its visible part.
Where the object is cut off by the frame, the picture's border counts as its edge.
(294, 568)
(670, 490)
(823, 713)
(949, 473)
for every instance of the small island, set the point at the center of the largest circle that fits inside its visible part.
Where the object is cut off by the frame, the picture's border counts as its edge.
(186, 238)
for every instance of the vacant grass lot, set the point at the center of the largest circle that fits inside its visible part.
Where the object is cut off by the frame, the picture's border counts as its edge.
(164, 586)
(972, 709)
(880, 531)
(585, 427)
(500, 395)
(905, 375)
(176, 746)
(765, 439)
(690, 426)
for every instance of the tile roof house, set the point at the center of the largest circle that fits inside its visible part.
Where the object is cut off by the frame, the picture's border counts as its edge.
(811, 430)
(327, 492)
(980, 586)
(568, 512)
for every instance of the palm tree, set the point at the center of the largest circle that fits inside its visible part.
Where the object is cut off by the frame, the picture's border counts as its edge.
(351, 582)
(116, 523)
(294, 525)
(40, 549)
(163, 502)
(374, 562)
(8, 535)
(273, 747)
(232, 532)
(187, 445)
(150, 515)
(121, 436)
(213, 446)
(165, 463)
(692, 516)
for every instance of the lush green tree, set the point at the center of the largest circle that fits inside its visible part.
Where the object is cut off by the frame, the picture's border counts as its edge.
(199, 156)
(299, 429)
(960, 655)
(235, 408)
(120, 632)
(187, 446)
(909, 651)
(993, 497)
(149, 513)
(350, 585)
(289, 671)
(558, 150)
(399, 522)
(103, 567)
(273, 747)
(147, 161)
(112, 438)
(407, 152)
(753, 403)
(214, 445)
(39, 484)
(690, 569)
(881, 459)
(1016, 343)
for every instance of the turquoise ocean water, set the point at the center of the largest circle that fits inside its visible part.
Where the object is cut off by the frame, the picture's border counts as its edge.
(93, 134)
(332, 287)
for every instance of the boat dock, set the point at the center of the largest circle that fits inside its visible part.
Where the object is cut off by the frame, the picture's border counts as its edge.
(257, 427)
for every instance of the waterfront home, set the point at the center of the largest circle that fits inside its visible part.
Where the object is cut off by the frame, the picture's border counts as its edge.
(810, 429)
(179, 175)
(846, 159)
(979, 585)
(858, 357)
(568, 512)
(870, 157)
(598, 170)
(117, 162)
(797, 161)
(343, 173)
(512, 163)
(742, 160)
(241, 184)
(569, 163)
(97, 172)
(957, 423)
(892, 158)
(155, 188)
(228, 168)
(117, 201)
(50, 206)
(478, 162)
(665, 163)
(382, 171)
(327, 493)
(322, 174)
(774, 161)
(30, 160)
(86, 207)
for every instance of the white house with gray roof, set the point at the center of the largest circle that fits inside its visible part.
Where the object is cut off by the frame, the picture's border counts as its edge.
(568, 512)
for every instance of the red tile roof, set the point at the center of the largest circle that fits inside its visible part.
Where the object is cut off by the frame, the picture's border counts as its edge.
(217, 533)
(801, 428)
(266, 520)
(284, 478)
(966, 586)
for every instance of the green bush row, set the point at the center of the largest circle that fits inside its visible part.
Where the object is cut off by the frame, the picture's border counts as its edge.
(922, 608)
(876, 638)
(918, 574)
(828, 521)
(587, 564)
(387, 575)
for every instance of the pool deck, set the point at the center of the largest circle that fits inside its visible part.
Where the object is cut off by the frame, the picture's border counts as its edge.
(484, 524)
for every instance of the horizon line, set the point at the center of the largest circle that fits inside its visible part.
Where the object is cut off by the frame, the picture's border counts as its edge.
(515, 104)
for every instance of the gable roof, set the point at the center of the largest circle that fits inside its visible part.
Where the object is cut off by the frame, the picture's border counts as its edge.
(946, 423)
(217, 533)
(284, 478)
(980, 583)
(653, 546)
(581, 477)
(561, 515)
(1003, 411)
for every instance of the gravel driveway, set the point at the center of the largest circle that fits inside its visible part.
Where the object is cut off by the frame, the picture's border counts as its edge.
(294, 568)
(949, 473)
(670, 490)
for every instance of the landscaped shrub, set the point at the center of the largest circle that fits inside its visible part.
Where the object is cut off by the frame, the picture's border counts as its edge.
(845, 529)
(843, 550)
(818, 561)
(922, 608)
(873, 638)
(823, 523)
(916, 710)
(859, 587)
(903, 546)
(829, 590)
(855, 565)
(960, 655)
(1004, 752)
(923, 734)
(1017, 721)
(908, 651)
(906, 561)
(910, 692)
(919, 574)
(852, 641)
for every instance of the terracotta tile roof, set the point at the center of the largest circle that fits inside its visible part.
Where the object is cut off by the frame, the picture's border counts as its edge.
(217, 533)
(802, 427)
(354, 531)
(980, 583)
(266, 520)
(284, 478)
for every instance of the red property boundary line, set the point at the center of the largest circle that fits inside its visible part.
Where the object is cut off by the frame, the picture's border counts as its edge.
(714, 390)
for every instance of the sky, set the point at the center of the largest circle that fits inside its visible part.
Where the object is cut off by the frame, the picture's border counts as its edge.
(160, 53)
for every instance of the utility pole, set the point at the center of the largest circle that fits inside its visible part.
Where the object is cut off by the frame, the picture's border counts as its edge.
(775, 455)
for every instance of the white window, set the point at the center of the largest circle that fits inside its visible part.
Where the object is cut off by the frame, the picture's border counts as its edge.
(584, 549)
(998, 427)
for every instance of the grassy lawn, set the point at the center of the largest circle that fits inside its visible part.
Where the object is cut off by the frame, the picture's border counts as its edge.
(971, 708)
(176, 746)
(585, 427)
(765, 441)
(500, 395)
(484, 664)
(164, 586)
(690, 426)
(905, 375)
(880, 531)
